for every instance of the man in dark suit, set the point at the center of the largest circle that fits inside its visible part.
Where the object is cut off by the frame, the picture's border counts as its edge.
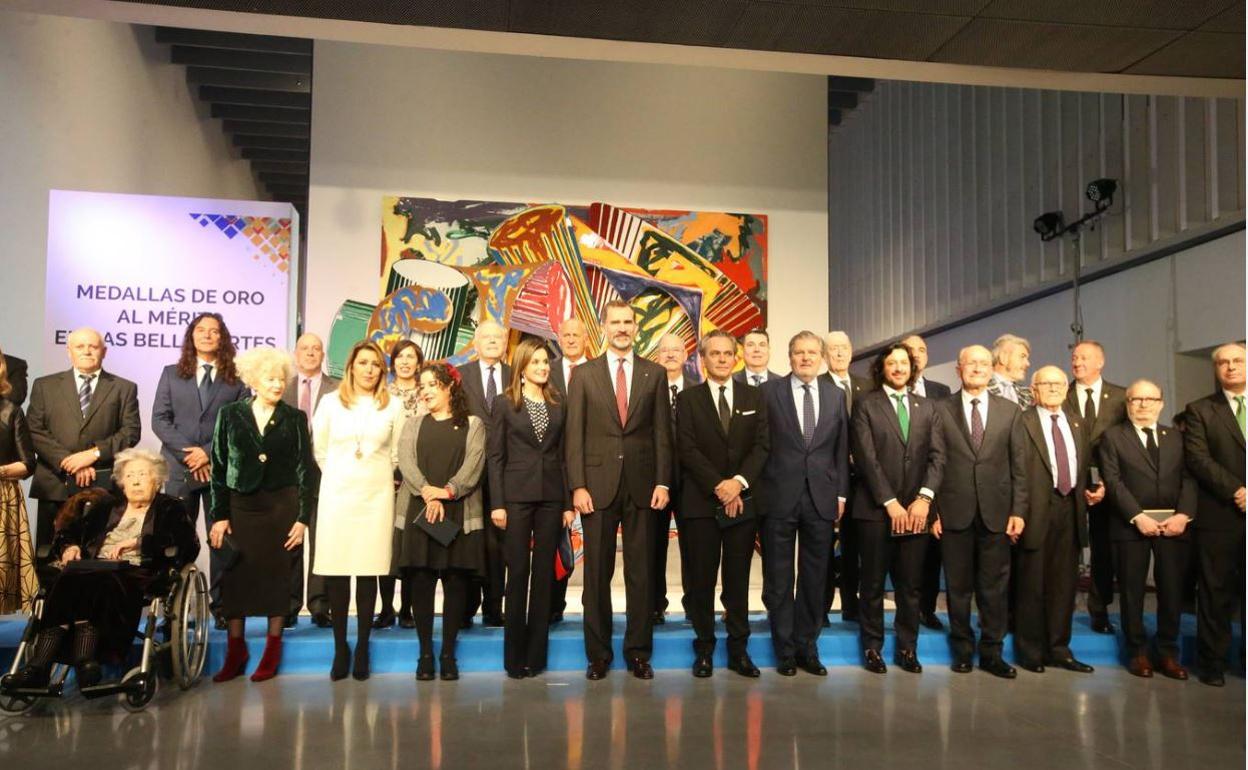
(1214, 444)
(619, 455)
(804, 486)
(1143, 466)
(844, 572)
(79, 420)
(572, 349)
(304, 391)
(672, 357)
(722, 442)
(184, 415)
(982, 501)
(899, 453)
(484, 380)
(755, 353)
(16, 368)
(934, 391)
(1102, 405)
(1055, 468)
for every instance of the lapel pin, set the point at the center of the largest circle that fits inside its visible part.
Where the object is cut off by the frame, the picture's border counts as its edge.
(264, 458)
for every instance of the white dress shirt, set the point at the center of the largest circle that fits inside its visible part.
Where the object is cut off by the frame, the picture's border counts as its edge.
(751, 376)
(727, 386)
(1063, 425)
(199, 373)
(799, 398)
(919, 388)
(485, 377)
(982, 407)
(891, 392)
(1139, 433)
(613, 365)
(95, 381)
(568, 366)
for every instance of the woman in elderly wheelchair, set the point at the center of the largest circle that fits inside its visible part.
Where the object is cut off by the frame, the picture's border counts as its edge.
(111, 557)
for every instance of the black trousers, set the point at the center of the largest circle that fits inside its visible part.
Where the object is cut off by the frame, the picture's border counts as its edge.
(485, 592)
(1101, 560)
(977, 563)
(903, 557)
(796, 618)
(713, 551)
(45, 522)
(530, 578)
(1220, 582)
(600, 527)
(559, 594)
(318, 596)
(1171, 561)
(197, 500)
(1046, 581)
(455, 584)
(845, 573)
(931, 577)
(662, 539)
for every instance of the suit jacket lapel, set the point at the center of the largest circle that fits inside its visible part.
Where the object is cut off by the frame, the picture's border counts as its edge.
(826, 398)
(710, 405)
(1031, 419)
(640, 380)
(70, 392)
(1224, 411)
(1139, 447)
(895, 422)
(954, 409)
(788, 406)
(104, 386)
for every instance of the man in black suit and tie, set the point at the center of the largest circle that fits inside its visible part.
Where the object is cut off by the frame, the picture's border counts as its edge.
(899, 453)
(982, 500)
(722, 441)
(79, 420)
(619, 456)
(804, 486)
(933, 391)
(484, 380)
(1214, 443)
(1143, 466)
(672, 357)
(1102, 405)
(755, 353)
(845, 572)
(572, 349)
(304, 391)
(17, 379)
(184, 416)
(1055, 462)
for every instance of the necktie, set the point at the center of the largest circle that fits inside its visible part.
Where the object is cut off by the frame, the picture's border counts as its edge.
(1239, 414)
(849, 396)
(1063, 460)
(758, 379)
(305, 397)
(1089, 407)
(977, 425)
(725, 414)
(903, 416)
(674, 392)
(621, 393)
(1154, 452)
(84, 393)
(205, 383)
(491, 390)
(808, 415)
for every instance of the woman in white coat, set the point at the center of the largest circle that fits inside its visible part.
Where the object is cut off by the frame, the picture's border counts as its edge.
(355, 438)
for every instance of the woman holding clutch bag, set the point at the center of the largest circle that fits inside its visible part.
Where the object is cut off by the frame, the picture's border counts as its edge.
(441, 456)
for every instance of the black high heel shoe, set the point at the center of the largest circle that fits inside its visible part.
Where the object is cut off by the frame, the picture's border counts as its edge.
(450, 669)
(359, 667)
(384, 619)
(342, 660)
(424, 669)
(406, 620)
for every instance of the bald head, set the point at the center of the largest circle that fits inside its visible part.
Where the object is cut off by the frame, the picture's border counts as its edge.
(1049, 385)
(309, 354)
(839, 351)
(86, 349)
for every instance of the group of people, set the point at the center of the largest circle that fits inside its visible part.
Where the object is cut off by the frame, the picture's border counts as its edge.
(408, 472)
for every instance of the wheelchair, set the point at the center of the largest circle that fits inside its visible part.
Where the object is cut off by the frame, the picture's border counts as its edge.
(174, 636)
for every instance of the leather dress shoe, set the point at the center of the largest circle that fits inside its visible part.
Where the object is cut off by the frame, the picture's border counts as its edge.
(88, 674)
(873, 662)
(812, 665)
(518, 673)
(556, 618)
(1213, 678)
(960, 667)
(929, 620)
(597, 670)
(909, 661)
(641, 669)
(28, 677)
(998, 667)
(786, 667)
(849, 616)
(424, 668)
(659, 618)
(1101, 624)
(321, 620)
(406, 620)
(1070, 664)
(385, 619)
(468, 621)
(702, 666)
(292, 620)
(1140, 666)
(1035, 668)
(744, 666)
(493, 620)
(1171, 668)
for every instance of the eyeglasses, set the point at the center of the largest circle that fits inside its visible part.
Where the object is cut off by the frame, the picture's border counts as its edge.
(1143, 400)
(1050, 384)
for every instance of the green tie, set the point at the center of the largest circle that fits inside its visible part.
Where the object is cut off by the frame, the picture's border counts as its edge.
(1239, 414)
(903, 417)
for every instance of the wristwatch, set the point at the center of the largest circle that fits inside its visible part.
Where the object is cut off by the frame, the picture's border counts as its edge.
(924, 498)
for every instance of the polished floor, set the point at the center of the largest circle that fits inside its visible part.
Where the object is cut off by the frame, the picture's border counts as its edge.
(851, 719)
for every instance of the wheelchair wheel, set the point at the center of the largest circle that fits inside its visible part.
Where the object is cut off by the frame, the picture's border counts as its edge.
(16, 704)
(138, 700)
(190, 623)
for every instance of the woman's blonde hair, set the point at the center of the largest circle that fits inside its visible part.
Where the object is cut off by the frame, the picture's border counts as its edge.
(347, 391)
(256, 362)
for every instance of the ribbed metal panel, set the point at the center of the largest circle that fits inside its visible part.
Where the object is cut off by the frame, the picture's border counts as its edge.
(933, 190)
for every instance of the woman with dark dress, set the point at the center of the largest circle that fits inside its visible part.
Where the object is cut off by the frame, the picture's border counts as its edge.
(261, 496)
(441, 456)
(527, 476)
(406, 358)
(18, 583)
(93, 609)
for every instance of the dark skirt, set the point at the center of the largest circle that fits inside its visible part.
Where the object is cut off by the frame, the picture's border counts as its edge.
(413, 548)
(112, 600)
(258, 582)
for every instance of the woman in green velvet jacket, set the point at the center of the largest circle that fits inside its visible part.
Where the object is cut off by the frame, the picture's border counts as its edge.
(262, 487)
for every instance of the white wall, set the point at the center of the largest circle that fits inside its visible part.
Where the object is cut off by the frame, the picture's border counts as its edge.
(390, 120)
(1145, 317)
(90, 105)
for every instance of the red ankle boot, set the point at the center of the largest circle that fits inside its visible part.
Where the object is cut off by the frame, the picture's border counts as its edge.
(270, 660)
(236, 658)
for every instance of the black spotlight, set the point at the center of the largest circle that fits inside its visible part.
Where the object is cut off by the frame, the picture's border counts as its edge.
(1048, 225)
(1101, 192)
